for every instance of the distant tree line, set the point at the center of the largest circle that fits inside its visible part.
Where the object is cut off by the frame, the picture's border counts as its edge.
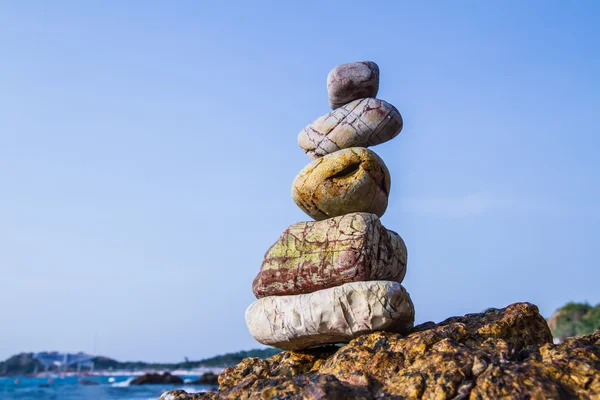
(20, 364)
(575, 319)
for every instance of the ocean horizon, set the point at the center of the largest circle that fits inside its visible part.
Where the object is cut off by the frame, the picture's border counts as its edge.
(103, 387)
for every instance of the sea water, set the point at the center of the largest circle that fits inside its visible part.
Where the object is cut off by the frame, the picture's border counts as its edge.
(69, 388)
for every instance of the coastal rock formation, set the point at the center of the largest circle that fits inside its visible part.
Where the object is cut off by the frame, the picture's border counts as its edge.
(344, 182)
(183, 395)
(348, 82)
(312, 256)
(156, 379)
(334, 315)
(361, 123)
(208, 378)
(498, 354)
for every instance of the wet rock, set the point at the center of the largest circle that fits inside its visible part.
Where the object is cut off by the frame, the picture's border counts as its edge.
(501, 353)
(361, 123)
(88, 382)
(352, 81)
(208, 378)
(334, 315)
(156, 379)
(310, 256)
(182, 395)
(347, 181)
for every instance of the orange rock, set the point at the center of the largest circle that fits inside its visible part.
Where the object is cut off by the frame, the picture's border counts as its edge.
(347, 181)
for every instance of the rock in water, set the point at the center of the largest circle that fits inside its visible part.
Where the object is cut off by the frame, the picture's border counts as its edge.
(347, 181)
(334, 315)
(352, 81)
(310, 256)
(208, 378)
(153, 378)
(361, 123)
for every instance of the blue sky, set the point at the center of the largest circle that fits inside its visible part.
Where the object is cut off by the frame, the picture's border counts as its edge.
(147, 151)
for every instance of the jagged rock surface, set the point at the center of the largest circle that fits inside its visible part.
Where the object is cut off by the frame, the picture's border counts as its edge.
(334, 315)
(360, 123)
(311, 256)
(498, 354)
(344, 182)
(348, 82)
(183, 395)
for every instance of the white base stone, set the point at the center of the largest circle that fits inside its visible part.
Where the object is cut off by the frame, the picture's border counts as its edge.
(334, 315)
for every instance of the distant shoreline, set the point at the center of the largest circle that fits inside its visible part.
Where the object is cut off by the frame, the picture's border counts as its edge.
(80, 364)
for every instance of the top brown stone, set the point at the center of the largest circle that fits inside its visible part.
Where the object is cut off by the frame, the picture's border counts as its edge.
(348, 82)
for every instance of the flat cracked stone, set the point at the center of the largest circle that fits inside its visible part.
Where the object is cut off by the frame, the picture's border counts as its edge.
(344, 182)
(335, 315)
(348, 82)
(361, 123)
(311, 256)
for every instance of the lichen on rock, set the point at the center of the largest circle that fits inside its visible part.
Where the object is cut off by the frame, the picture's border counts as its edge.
(311, 256)
(498, 354)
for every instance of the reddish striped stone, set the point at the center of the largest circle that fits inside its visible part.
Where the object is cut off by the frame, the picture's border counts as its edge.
(310, 256)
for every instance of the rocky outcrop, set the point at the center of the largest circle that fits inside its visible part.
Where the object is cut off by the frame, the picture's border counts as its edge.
(361, 123)
(208, 378)
(348, 82)
(312, 256)
(498, 354)
(22, 364)
(183, 395)
(156, 379)
(347, 181)
(334, 315)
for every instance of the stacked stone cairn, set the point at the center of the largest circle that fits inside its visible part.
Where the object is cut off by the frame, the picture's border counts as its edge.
(338, 277)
